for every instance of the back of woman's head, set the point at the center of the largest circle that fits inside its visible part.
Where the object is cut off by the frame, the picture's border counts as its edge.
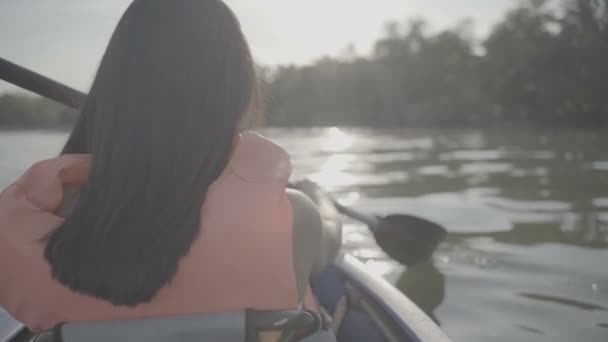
(160, 121)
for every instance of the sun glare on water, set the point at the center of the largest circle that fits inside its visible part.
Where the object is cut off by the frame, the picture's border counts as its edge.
(334, 171)
(337, 140)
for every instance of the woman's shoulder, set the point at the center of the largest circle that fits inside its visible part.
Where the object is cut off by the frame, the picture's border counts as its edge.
(257, 158)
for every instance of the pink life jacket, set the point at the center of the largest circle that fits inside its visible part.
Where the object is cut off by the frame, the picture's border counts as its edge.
(241, 259)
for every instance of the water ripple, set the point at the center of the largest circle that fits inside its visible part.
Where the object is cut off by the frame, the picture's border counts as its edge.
(564, 301)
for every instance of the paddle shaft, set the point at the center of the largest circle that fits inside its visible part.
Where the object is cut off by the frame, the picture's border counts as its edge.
(369, 220)
(39, 84)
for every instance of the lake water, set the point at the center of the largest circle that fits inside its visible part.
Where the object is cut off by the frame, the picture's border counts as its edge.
(527, 212)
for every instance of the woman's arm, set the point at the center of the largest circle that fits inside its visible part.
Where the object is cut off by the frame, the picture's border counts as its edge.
(317, 229)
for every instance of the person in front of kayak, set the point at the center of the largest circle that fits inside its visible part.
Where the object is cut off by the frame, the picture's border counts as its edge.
(160, 205)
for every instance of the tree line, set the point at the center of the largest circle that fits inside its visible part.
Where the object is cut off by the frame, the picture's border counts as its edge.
(538, 65)
(21, 111)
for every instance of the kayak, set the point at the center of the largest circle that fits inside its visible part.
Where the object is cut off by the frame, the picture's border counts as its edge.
(373, 309)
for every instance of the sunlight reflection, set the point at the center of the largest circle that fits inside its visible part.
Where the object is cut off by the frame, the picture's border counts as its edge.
(349, 198)
(600, 166)
(356, 238)
(368, 254)
(481, 168)
(333, 179)
(342, 168)
(337, 140)
(332, 173)
(600, 202)
(339, 162)
(434, 170)
(386, 268)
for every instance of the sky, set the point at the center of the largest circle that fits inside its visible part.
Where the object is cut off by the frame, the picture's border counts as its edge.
(65, 39)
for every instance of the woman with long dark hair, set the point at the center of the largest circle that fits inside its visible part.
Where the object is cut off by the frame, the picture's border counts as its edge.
(159, 205)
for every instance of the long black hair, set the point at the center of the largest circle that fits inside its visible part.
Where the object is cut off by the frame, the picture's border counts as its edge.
(172, 88)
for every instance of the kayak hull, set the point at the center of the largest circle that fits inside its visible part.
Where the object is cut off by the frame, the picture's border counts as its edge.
(382, 313)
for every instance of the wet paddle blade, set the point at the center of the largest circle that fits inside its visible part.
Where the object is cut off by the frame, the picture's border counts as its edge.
(408, 239)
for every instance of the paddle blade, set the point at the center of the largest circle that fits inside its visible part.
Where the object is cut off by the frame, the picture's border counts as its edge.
(408, 239)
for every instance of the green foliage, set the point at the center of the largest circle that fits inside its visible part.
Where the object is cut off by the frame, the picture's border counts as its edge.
(534, 67)
(18, 111)
(543, 68)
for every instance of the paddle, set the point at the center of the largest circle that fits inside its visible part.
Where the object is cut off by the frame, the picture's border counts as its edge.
(407, 239)
(41, 85)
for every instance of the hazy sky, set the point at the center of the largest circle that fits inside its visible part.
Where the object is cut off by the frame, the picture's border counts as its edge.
(65, 39)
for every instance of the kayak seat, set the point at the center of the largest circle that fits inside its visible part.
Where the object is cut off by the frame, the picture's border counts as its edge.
(244, 326)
